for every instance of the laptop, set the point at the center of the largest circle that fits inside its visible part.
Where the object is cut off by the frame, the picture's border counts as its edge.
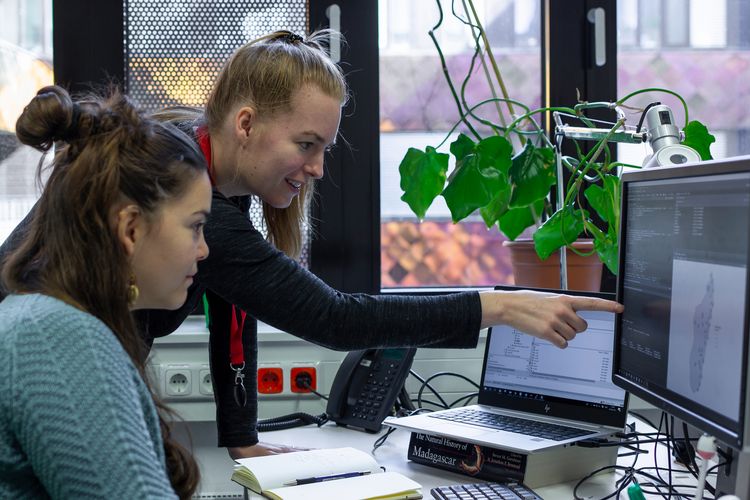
(534, 396)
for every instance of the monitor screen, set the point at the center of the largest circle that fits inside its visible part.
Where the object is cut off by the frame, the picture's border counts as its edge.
(681, 342)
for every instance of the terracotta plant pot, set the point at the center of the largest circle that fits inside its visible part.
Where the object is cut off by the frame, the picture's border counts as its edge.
(584, 273)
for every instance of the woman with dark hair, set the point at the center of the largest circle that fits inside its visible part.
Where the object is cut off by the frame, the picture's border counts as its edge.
(119, 227)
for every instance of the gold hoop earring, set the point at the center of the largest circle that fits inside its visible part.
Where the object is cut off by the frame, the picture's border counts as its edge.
(133, 290)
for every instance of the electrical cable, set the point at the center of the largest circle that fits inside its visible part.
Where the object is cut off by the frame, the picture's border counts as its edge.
(655, 483)
(404, 400)
(441, 374)
(401, 413)
(382, 439)
(306, 385)
(643, 115)
(467, 397)
(421, 389)
(688, 446)
(290, 421)
(707, 450)
(644, 419)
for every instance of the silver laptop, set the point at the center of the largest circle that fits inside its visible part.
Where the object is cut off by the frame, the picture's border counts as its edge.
(534, 396)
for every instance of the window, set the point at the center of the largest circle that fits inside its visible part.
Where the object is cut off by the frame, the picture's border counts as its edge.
(25, 66)
(699, 49)
(164, 69)
(416, 109)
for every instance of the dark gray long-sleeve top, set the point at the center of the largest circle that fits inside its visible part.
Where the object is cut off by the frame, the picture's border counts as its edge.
(242, 268)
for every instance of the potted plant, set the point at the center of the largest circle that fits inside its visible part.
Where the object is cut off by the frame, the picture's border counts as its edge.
(507, 174)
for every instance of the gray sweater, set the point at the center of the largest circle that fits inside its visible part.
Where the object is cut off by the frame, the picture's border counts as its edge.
(76, 419)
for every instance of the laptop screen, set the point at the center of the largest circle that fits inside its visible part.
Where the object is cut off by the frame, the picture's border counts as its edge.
(525, 373)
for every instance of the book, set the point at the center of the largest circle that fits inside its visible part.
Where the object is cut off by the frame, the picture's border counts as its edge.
(311, 474)
(494, 464)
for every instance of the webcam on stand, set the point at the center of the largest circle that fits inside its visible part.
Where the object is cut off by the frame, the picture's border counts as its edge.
(664, 138)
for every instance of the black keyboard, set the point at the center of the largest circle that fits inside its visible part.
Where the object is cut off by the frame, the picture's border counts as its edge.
(510, 490)
(512, 424)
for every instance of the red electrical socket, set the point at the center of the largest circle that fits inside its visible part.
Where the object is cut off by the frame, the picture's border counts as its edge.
(270, 380)
(301, 374)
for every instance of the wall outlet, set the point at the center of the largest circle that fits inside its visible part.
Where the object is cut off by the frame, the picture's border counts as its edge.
(178, 382)
(205, 383)
(303, 379)
(270, 380)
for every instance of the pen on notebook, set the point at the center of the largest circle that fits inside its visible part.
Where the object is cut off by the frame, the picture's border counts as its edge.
(320, 479)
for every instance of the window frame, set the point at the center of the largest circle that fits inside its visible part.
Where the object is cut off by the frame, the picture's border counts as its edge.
(345, 249)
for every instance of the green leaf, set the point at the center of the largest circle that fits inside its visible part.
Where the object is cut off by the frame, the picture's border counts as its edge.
(479, 177)
(470, 187)
(605, 199)
(607, 249)
(698, 138)
(497, 207)
(495, 152)
(422, 178)
(462, 147)
(561, 229)
(515, 220)
(532, 175)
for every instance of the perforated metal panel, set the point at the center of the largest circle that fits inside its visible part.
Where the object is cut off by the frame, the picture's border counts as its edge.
(175, 49)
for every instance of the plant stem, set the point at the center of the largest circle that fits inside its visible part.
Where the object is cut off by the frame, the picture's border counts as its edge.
(616, 164)
(446, 73)
(505, 130)
(482, 59)
(488, 50)
(590, 160)
(529, 114)
(658, 89)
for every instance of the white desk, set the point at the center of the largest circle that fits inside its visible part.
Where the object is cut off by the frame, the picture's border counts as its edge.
(392, 455)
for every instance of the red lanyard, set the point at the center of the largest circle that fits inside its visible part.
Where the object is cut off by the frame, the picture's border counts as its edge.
(236, 353)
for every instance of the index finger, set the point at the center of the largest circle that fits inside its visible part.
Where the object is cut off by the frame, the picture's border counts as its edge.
(595, 304)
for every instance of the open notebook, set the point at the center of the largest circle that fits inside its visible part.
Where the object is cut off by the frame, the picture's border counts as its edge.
(534, 396)
(322, 471)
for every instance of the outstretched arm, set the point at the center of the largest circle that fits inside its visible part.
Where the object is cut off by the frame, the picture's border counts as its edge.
(549, 316)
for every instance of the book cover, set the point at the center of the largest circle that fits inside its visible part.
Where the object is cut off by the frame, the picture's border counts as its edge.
(483, 462)
(342, 473)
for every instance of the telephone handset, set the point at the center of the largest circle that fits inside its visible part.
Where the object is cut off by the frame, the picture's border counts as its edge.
(367, 385)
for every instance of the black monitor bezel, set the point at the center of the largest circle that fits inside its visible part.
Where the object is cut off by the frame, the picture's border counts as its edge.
(666, 400)
(556, 407)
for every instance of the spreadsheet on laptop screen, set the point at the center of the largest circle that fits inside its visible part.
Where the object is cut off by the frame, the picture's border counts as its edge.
(520, 364)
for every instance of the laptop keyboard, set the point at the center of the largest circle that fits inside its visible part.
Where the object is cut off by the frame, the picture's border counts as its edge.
(512, 424)
(504, 491)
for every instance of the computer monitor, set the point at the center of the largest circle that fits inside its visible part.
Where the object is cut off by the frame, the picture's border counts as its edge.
(681, 343)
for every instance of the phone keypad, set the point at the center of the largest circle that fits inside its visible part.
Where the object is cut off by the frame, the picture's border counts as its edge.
(370, 401)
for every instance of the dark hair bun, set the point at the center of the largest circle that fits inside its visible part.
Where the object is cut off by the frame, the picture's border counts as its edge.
(50, 116)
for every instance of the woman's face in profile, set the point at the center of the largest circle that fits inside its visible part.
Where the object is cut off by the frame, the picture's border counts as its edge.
(286, 150)
(166, 260)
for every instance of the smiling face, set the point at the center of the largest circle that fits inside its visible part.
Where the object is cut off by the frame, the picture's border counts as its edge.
(167, 248)
(278, 154)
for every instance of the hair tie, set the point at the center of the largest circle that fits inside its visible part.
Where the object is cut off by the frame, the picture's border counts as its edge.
(293, 37)
(71, 132)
